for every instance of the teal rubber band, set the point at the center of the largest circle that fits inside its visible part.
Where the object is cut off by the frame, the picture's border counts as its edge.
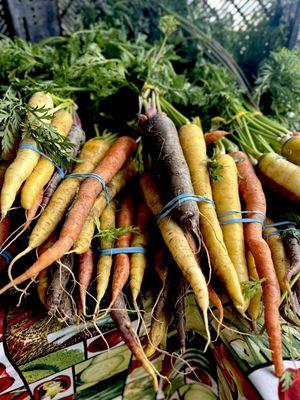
(279, 224)
(34, 148)
(241, 220)
(225, 214)
(122, 250)
(280, 231)
(63, 175)
(95, 176)
(169, 207)
(7, 256)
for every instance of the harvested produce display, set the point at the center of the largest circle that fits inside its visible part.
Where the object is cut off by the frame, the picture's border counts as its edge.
(147, 200)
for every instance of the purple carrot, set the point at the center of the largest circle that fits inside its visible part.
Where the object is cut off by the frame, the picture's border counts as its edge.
(161, 139)
(291, 240)
(58, 285)
(77, 138)
(180, 313)
(66, 310)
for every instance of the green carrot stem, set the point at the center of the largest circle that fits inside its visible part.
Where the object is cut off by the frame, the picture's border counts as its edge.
(255, 153)
(265, 144)
(248, 133)
(275, 124)
(274, 142)
(229, 145)
(262, 125)
(178, 118)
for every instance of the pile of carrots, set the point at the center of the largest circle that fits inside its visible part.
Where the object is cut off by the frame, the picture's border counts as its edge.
(195, 222)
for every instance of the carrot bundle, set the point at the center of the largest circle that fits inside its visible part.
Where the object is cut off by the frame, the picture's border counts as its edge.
(194, 149)
(178, 246)
(88, 192)
(254, 198)
(26, 160)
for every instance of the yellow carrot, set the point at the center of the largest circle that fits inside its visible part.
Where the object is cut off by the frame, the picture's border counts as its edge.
(158, 333)
(43, 284)
(255, 303)
(25, 161)
(3, 168)
(291, 150)
(107, 221)
(40, 176)
(280, 175)
(194, 148)
(280, 259)
(138, 261)
(226, 196)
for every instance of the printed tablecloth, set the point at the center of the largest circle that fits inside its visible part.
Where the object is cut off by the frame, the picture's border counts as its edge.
(41, 359)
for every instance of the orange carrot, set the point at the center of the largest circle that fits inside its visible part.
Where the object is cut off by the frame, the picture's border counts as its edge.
(252, 193)
(122, 261)
(85, 272)
(215, 299)
(113, 161)
(211, 137)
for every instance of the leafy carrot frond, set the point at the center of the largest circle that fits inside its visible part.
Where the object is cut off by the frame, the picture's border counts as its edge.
(287, 380)
(251, 288)
(106, 135)
(214, 169)
(13, 111)
(113, 233)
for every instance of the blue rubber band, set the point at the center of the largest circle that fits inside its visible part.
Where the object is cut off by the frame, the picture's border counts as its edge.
(225, 214)
(169, 207)
(62, 173)
(95, 176)
(122, 250)
(241, 220)
(279, 224)
(7, 256)
(279, 232)
(34, 148)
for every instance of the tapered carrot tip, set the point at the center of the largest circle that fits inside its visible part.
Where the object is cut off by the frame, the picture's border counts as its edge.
(6, 287)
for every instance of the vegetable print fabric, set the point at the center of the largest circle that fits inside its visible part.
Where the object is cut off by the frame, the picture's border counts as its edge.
(42, 360)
